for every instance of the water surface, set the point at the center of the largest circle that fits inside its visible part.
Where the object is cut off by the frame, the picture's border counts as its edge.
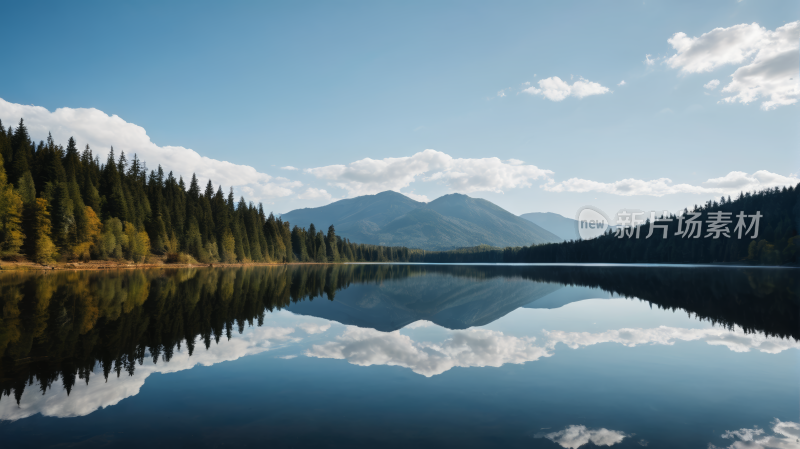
(401, 355)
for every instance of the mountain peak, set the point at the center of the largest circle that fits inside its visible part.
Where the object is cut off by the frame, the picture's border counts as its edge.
(389, 193)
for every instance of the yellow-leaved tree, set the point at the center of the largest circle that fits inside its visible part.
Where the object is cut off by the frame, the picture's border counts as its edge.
(11, 235)
(43, 248)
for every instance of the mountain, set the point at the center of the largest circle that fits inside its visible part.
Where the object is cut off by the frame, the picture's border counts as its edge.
(451, 221)
(565, 228)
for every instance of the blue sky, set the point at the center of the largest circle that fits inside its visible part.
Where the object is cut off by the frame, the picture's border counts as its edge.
(322, 85)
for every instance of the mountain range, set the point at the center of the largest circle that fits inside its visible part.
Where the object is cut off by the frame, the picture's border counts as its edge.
(448, 222)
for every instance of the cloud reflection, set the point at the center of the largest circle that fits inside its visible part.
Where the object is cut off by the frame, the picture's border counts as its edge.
(736, 339)
(472, 347)
(480, 347)
(574, 437)
(785, 435)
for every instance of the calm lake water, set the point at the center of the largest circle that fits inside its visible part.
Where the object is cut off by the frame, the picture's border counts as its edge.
(402, 356)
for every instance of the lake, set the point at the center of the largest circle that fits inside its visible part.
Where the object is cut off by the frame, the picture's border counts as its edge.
(402, 355)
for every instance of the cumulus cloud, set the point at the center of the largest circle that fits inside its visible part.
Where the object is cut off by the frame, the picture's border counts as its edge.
(711, 85)
(622, 83)
(785, 435)
(501, 94)
(313, 193)
(417, 197)
(101, 131)
(574, 437)
(289, 167)
(369, 176)
(472, 347)
(86, 398)
(555, 89)
(730, 184)
(648, 60)
(768, 61)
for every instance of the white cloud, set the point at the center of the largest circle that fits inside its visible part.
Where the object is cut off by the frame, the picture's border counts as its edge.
(101, 131)
(574, 437)
(768, 61)
(622, 83)
(501, 94)
(785, 435)
(472, 347)
(711, 85)
(313, 193)
(730, 184)
(289, 167)
(555, 89)
(417, 197)
(368, 176)
(288, 357)
(649, 61)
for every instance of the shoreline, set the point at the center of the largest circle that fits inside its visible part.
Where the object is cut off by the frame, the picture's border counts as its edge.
(96, 265)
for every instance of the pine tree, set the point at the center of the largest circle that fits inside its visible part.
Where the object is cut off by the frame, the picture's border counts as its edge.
(299, 244)
(62, 216)
(331, 245)
(21, 147)
(111, 190)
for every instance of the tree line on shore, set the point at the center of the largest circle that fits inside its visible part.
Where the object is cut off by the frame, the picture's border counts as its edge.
(61, 203)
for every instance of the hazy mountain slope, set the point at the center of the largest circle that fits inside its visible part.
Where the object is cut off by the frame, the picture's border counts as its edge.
(566, 228)
(451, 221)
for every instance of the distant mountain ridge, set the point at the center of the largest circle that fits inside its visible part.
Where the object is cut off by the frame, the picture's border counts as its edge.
(451, 221)
(566, 228)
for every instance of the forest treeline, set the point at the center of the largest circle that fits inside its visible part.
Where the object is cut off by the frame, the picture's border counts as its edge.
(61, 203)
(777, 242)
(58, 327)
